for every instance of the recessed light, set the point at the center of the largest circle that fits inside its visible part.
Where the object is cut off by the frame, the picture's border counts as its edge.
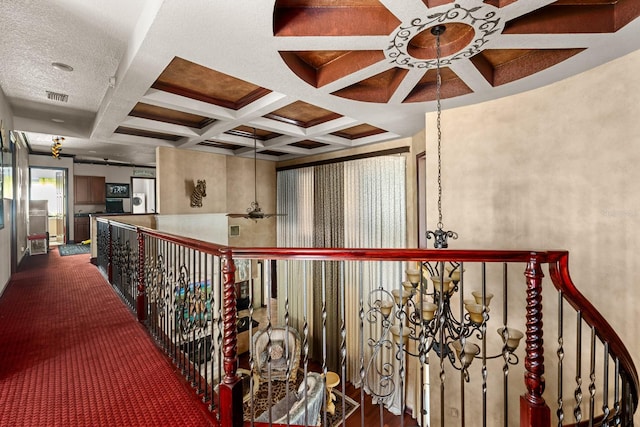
(92, 151)
(61, 66)
(57, 120)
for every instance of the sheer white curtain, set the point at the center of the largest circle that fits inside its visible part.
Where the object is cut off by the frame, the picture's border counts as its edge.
(295, 198)
(375, 217)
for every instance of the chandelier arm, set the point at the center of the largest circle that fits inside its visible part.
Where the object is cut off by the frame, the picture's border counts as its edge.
(512, 359)
(432, 271)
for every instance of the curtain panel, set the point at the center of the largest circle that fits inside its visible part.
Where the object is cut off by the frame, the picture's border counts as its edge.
(355, 204)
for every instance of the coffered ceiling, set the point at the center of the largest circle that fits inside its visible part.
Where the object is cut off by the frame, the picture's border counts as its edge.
(310, 76)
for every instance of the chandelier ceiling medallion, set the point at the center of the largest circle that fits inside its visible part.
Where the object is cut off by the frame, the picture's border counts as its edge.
(254, 211)
(469, 31)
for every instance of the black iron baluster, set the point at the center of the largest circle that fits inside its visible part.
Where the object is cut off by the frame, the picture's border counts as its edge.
(577, 410)
(560, 353)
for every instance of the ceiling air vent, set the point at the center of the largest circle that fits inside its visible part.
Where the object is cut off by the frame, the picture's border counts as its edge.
(55, 96)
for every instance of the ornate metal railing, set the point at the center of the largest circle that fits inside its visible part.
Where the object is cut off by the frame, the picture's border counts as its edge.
(174, 285)
(579, 374)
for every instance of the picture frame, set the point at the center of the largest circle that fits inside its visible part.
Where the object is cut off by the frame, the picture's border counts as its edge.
(117, 191)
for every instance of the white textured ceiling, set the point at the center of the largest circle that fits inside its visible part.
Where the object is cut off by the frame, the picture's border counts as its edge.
(135, 40)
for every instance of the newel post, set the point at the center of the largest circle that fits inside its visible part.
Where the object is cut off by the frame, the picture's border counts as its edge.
(141, 305)
(230, 388)
(533, 409)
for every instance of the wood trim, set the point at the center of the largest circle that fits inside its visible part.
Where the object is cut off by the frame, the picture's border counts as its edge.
(301, 123)
(389, 152)
(419, 188)
(232, 105)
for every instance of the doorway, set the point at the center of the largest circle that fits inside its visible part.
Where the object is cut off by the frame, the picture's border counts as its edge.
(143, 195)
(48, 189)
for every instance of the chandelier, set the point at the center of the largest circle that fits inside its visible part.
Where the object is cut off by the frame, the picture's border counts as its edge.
(424, 309)
(426, 315)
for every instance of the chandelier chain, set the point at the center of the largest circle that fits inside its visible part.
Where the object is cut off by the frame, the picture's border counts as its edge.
(439, 112)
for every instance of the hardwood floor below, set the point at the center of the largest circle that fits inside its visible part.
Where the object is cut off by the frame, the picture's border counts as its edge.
(369, 414)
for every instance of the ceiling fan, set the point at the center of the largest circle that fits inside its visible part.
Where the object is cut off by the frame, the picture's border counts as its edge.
(254, 212)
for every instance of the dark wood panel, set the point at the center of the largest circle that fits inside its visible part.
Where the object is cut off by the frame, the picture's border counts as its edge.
(97, 189)
(329, 19)
(81, 190)
(88, 190)
(166, 115)
(195, 81)
(81, 229)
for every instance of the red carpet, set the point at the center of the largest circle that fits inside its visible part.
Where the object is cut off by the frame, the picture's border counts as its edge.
(71, 354)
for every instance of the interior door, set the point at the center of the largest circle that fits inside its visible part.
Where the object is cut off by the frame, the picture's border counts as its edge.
(143, 195)
(61, 206)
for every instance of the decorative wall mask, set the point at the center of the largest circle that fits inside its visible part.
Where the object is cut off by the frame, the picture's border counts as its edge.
(198, 193)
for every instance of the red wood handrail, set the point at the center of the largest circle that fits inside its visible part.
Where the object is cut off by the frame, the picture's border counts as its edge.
(559, 272)
(390, 254)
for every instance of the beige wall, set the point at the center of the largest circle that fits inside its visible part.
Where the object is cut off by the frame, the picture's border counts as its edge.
(176, 174)
(240, 194)
(230, 189)
(553, 168)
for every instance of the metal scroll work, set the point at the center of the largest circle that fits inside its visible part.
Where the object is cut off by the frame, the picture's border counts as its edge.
(423, 313)
(483, 19)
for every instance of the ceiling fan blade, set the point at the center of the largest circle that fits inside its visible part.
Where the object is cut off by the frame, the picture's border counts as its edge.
(253, 215)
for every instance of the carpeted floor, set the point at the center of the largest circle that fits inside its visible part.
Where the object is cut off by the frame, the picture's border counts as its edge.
(78, 249)
(71, 354)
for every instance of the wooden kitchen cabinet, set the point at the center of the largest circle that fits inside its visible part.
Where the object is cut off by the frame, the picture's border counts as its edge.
(82, 228)
(89, 190)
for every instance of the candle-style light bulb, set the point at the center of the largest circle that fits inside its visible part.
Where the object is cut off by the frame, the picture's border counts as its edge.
(478, 297)
(413, 275)
(511, 338)
(385, 307)
(400, 297)
(465, 353)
